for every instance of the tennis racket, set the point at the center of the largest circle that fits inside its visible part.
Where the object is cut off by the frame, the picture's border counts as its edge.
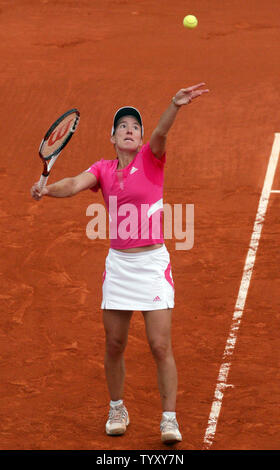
(55, 140)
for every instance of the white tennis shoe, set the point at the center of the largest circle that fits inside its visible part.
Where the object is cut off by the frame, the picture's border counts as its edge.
(118, 420)
(170, 433)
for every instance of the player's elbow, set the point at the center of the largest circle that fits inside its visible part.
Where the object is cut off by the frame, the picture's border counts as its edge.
(83, 181)
(74, 186)
(70, 188)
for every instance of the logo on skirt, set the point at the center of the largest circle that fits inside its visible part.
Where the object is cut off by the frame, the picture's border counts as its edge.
(157, 299)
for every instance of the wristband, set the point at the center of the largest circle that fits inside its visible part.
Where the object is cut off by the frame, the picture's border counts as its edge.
(174, 102)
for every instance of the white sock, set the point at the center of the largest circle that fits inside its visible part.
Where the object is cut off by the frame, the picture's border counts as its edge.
(169, 414)
(116, 403)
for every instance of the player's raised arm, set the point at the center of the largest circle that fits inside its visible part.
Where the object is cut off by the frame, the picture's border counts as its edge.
(66, 187)
(182, 97)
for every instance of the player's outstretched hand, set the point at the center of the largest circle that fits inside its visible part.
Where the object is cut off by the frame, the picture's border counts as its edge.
(38, 193)
(186, 95)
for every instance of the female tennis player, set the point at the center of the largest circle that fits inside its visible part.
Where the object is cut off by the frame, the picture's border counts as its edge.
(137, 274)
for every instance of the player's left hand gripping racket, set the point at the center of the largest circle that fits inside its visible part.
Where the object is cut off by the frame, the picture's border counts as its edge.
(55, 140)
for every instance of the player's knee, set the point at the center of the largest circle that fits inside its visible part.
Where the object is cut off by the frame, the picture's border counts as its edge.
(160, 349)
(115, 347)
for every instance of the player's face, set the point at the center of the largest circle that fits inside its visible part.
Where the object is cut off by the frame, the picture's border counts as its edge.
(128, 134)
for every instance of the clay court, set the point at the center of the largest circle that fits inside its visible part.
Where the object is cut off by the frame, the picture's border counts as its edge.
(98, 56)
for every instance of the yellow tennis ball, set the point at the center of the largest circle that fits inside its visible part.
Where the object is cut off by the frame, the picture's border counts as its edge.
(190, 21)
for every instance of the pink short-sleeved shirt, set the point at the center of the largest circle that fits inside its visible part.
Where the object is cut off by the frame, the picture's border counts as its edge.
(133, 197)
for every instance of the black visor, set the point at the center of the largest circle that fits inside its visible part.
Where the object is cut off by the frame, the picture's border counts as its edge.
(127, 111)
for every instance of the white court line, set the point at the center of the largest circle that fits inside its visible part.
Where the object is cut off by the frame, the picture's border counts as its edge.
(242, 295)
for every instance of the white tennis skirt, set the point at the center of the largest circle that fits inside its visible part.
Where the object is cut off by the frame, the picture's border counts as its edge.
(138, 281)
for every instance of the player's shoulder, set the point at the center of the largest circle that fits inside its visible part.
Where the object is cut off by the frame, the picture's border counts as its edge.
(144, 151)
(147, 154)
(145, 148)
(104, 163)
(107, 166)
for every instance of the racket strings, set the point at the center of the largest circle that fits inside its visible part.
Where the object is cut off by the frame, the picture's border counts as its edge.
(59, 135)
(55, 139)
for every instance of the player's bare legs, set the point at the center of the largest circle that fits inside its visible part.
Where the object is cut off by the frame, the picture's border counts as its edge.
(116, 325)
(158, 330)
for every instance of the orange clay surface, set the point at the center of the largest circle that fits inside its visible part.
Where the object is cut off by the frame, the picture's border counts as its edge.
(97, 56)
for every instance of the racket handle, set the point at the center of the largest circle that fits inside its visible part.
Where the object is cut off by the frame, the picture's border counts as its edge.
(43, 181)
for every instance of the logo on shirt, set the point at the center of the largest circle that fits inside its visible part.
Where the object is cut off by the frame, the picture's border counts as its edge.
(157, 299)
(133, 169)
